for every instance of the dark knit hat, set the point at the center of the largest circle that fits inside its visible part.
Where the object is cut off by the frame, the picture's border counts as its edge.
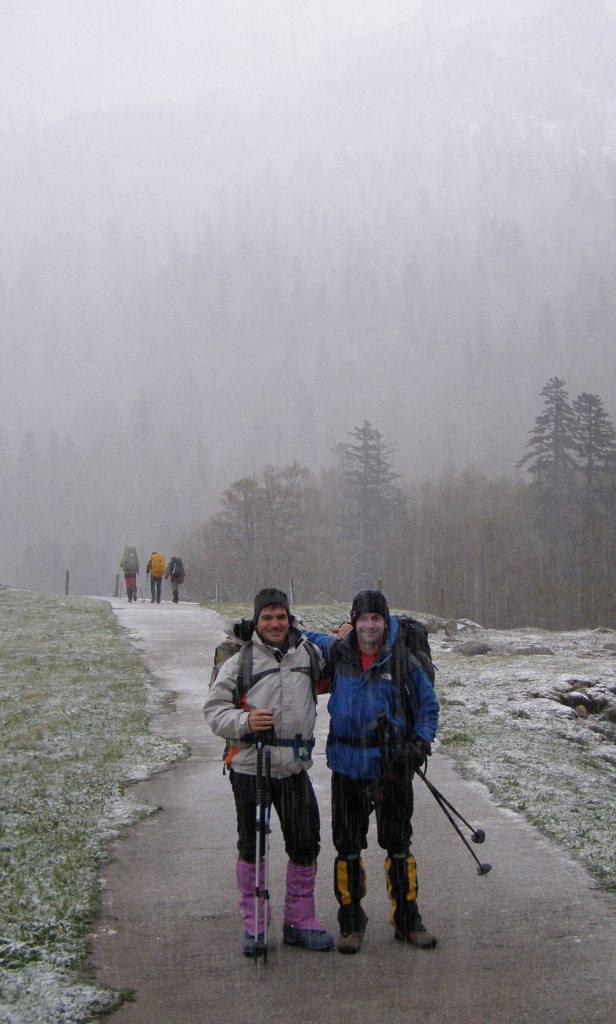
(369, 601)
(270, 596)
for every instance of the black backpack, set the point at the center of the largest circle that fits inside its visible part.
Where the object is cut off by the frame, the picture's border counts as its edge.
(415, 637)
(177, 570)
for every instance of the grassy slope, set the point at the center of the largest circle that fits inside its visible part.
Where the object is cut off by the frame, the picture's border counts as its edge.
(74, 709)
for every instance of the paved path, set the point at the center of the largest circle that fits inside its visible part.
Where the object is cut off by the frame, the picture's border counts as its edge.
(534, 941)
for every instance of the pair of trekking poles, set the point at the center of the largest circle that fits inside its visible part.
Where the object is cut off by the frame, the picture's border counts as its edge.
(262, 828)
(477, 834)
(387, 743)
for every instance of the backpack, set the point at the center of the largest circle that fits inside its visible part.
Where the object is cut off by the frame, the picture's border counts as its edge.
(415, 637)
(130, 560)
(177, 570)
(157, 566)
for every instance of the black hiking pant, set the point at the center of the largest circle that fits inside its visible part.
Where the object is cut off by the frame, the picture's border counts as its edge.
(155, 585)
(353, 801)
(298, 812)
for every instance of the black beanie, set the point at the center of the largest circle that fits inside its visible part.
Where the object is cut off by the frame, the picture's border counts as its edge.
(369, 601)
(270, 596)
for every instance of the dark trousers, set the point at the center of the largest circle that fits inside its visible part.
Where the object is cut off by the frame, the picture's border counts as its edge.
(353, 801)
(297, 809)
(155, 584)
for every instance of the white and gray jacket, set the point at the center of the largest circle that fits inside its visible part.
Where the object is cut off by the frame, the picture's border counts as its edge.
(281, 682)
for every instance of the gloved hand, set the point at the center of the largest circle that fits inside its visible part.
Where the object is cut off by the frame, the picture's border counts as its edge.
(411, 755)
(418, 751)
(243, 629)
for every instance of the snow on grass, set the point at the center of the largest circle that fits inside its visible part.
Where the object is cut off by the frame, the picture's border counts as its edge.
(502, 720)
(75, 702)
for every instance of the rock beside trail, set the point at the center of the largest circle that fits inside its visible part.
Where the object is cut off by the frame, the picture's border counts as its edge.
(473, 647)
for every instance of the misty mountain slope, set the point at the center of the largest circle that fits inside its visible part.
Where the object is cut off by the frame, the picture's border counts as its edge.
(419, 231)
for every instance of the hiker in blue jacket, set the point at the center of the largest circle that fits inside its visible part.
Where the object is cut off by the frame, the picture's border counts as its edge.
(374, 746)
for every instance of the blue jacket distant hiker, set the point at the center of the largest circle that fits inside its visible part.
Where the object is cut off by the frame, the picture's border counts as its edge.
(155, 569)
(269, 689)
(129, 564)
(383, 717)
(175, 573)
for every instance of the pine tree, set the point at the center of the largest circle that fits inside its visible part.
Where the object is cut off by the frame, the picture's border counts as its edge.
(552, 438)
(551, 463)
(594, 444)
(376, 500)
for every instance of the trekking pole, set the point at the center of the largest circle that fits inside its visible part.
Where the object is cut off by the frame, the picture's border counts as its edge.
(259, 844)
(267, 809)
(478, 834)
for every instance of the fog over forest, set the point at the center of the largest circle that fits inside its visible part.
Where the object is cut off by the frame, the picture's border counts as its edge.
(407, 218)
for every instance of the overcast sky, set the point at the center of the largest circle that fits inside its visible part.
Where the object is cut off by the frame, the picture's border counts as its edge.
(59, 57)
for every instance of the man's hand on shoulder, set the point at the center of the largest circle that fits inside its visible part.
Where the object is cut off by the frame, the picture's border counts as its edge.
(243, 629)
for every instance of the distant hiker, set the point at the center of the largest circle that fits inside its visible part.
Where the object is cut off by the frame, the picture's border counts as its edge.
(129, 564)
(383, 717)
(155, 569)
(175, 573)
(267, 693)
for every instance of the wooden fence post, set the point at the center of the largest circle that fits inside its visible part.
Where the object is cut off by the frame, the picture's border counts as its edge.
(291, 595)
(217, 598)
(116, 592)
(66, 576)
(442, 602)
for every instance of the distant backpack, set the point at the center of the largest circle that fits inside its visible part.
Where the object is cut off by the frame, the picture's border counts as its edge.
(177, 570)
(157, 567)
(130, 561)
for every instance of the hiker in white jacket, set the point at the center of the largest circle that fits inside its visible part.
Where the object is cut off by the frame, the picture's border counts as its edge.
(268, 689)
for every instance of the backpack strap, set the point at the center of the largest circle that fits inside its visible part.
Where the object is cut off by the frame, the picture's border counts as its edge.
(316, 672)
(246, 680)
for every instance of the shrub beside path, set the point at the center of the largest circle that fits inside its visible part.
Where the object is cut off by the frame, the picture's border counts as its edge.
(533, 941)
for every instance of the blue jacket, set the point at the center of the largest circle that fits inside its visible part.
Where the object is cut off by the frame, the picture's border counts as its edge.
(359, 697)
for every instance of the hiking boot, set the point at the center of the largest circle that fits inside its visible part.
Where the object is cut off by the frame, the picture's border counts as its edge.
(309, 938)
(252, 946)
(349, 943)
(418, 936)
